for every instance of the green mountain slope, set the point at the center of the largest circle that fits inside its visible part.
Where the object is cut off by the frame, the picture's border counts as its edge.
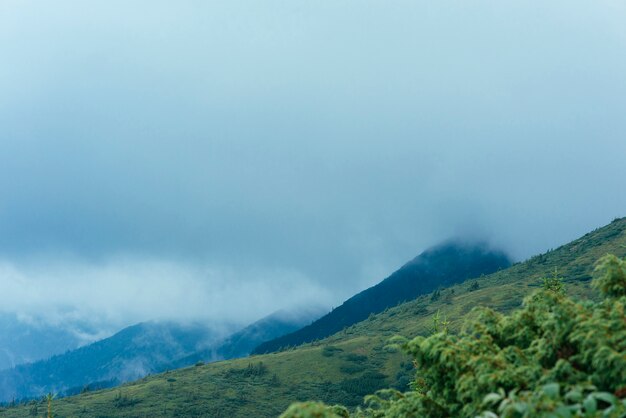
(343, 367)
(442, 265)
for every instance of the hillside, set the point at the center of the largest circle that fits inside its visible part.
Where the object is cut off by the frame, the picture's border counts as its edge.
(130, 354)
(552, 357)
(343, 367)
(242, 342)
(139, 350)
(439, 266)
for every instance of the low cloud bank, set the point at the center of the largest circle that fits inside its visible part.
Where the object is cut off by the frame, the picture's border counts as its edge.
(95, 299)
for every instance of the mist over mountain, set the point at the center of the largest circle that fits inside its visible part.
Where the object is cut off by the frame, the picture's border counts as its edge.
(243, 342)
(140, 350)
(130, 354)
(151, 347)
(24, 341)
(439, 266)
(194, 160)
(179, 181)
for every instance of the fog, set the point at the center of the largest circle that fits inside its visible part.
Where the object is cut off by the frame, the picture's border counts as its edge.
(221, 160)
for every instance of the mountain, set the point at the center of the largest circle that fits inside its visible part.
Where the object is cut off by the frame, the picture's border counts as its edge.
(443, 265)
(346, 366)
(20, 340)
(132, 353)
(241, 343)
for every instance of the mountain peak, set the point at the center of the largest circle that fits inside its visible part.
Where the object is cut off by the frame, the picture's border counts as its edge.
(447, 263)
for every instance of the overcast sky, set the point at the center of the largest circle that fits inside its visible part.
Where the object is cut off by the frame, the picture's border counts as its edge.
(204, 159)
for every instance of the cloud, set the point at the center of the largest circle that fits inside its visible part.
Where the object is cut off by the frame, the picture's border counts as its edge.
(121, 292)
(186, 159)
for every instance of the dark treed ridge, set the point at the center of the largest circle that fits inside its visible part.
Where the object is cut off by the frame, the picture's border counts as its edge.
(442, 265)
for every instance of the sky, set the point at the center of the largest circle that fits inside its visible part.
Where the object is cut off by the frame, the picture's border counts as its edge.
(221, 160)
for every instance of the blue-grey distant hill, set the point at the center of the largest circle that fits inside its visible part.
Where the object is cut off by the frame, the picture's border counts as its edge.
(23, 341)
(130, 354)
(443, 265)
(139, 350)
(241, 343)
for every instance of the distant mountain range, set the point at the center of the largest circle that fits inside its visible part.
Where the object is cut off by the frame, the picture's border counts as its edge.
(439, 266)
(140, 350)
(129, 354)
(21, 339)
(241, 343)
(154, 347)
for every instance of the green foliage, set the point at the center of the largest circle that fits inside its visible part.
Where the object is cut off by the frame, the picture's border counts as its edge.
(351, 368)
(440, 323)
(252, 370)
(315, 410)
(367, 383)
(356, 358)
(549, 401)
(330, 350)
(124, 401)
(274, 381)
(420, 310)
(554, 283)
(611, 276)
(34, 410)
(554, 357)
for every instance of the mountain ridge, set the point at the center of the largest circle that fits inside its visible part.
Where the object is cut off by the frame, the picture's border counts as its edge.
(129, 354)
(241, 343)
(449, 262)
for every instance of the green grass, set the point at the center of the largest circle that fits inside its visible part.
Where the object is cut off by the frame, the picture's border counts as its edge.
(343, 367)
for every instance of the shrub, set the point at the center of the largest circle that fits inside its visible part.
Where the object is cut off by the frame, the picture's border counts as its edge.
(554, 357)
(356, 358)
(351, 368)
(252, 370)
(330, 350)
(315, 410)
(474, 286)
(124, 401)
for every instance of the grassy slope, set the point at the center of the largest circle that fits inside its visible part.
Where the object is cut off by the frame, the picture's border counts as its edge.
(229, 389)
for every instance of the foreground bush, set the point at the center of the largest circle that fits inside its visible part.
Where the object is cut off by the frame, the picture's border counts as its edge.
(315, 410)
(554, 357)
